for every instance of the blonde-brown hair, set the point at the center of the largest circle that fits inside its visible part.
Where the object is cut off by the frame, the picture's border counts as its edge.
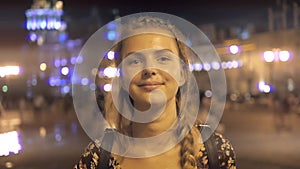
(105, 101)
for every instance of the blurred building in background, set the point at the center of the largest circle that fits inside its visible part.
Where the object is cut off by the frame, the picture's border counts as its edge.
(54, 52)
(258, 56)
(255, 61)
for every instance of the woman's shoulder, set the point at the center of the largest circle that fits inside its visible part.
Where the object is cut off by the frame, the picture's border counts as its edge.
(224, 150)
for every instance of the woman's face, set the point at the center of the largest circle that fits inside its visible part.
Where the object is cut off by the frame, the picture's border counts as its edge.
(151, 65)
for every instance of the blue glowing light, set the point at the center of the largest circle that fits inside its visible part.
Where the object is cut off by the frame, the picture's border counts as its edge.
(57, 63)
(84, 81)
(32, 37)
(62, 37)
(63, 62)
(93, 86)
(79, 59)
(73, 60)
(111, 35)
(52, 81)
(65, 89)
(111, 25)
(63, 82)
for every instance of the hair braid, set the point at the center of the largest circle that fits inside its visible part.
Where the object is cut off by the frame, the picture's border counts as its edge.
(187, 153)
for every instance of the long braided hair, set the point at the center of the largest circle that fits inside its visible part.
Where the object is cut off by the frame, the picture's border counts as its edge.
(122, 124)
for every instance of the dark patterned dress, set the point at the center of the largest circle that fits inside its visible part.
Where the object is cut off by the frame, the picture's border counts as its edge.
(90, 158)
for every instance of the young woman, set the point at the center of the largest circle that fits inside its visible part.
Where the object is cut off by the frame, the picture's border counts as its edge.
(147, 102)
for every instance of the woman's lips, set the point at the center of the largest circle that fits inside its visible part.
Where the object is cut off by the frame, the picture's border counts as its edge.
(150, 86)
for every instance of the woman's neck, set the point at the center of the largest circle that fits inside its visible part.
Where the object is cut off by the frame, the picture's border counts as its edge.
(157, 126)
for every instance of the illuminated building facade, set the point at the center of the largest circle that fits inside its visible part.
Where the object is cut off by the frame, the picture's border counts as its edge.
(54, 53)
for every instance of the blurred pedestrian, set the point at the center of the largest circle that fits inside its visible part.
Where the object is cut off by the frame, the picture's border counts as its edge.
(68, 103)
(22, 106)
(38, 105)
(2, 110)
(281, 108)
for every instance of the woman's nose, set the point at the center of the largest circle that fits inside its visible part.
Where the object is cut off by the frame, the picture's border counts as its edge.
(148, 72)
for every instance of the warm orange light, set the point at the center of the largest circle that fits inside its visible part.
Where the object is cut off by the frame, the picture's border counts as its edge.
(43, 66)
(9, 70)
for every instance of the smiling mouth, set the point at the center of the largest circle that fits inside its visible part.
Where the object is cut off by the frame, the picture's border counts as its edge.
(150, 86)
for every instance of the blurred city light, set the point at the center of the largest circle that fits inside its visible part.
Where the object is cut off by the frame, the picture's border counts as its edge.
(84, 81)
(208, 93)
(32, 36)
(62, 37)
(9, 143)
(264, 87)
(111, 33)
(284, 56)
(43, 132)
(94, 71)
(277, 55)
(235, 64)
(111, 55)
(65, 89)
(234, 49)
(215, 65)
(107, 87)
(110, 72)
(206, 66)
(64, 71)
(43, 19)
(43, 66)
(56, 62)
(269, 56)
(291, 85)
(5, 88)
(73, 60)
(93, 86)
(63, 62)
(79, 59)
(197, 67)
(9, 70)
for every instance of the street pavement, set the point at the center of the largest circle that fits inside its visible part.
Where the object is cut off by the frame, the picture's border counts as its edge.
(56, 140)
(257, 141)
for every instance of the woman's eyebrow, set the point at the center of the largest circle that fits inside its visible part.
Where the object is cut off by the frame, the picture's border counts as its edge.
(162, 51)
(159, 51)
(135, 53)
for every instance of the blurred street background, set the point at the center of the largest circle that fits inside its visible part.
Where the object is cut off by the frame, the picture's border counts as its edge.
(257, 41)
(57, 141)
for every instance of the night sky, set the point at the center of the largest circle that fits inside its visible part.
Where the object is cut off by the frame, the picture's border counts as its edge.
(12, 12)
(13, 39)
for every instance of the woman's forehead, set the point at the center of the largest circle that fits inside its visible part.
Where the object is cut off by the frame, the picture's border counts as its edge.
(149, 41)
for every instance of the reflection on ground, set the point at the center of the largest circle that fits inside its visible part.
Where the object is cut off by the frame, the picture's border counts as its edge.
(53, 140)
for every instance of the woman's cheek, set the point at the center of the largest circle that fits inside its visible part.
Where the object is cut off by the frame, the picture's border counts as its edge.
(127, 78)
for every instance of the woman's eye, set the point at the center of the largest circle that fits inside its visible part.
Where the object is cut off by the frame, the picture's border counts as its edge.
(135, 62)
(163, 59)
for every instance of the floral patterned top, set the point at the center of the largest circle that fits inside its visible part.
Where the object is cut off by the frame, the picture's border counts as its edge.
(90, 158)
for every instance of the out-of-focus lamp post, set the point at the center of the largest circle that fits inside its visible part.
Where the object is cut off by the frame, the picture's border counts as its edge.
(273, 56)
